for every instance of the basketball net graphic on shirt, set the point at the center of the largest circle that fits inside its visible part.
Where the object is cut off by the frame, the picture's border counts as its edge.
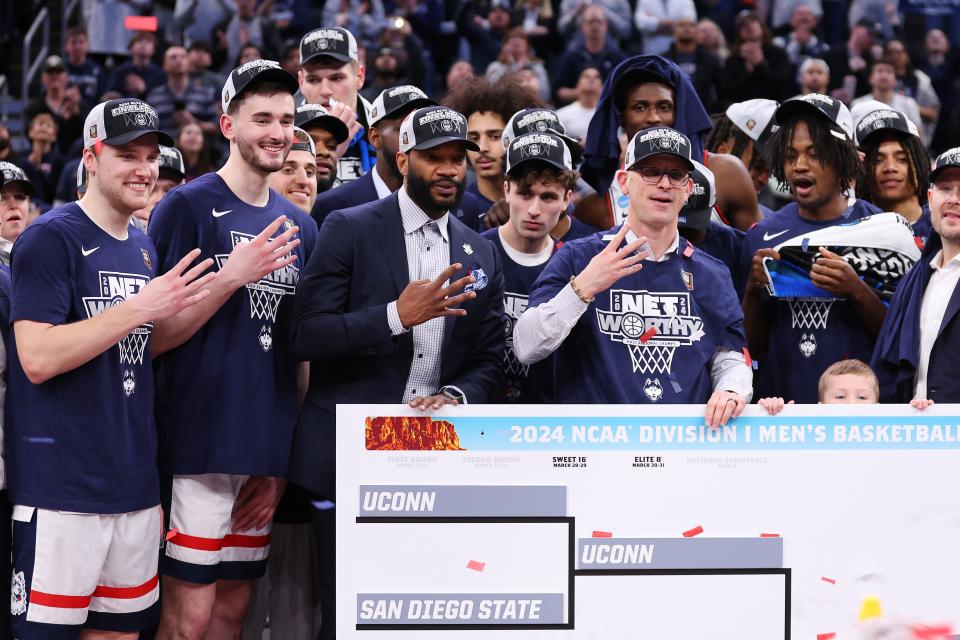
(514, 304)
(114, 288)
(633, 314)
(265, 294)
(809, 313)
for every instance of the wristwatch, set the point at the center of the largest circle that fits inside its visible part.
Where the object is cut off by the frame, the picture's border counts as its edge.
(454, 394)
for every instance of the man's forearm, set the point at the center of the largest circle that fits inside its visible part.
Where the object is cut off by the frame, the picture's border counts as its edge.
(174, 331)
(542, 329)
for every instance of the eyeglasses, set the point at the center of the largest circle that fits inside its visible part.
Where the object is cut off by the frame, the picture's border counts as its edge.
(653, 175)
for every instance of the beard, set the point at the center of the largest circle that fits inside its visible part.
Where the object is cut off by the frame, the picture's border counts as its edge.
(250, 155)
(419, 191)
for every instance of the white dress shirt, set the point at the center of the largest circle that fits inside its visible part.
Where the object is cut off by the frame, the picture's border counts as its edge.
(542, 329)
(382, 189)
(428, 254)
(943, 282)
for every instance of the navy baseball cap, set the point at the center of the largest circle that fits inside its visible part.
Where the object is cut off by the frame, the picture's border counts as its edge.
(883, 120)
(432, 126)
(117, 122)
(947, 160)
(314, 115)
(658, 141)
(252, 73)
(539, 147)
(823, 106)
(12, 174)
(532, 121)
(396, 99)
(697, 212)
(171, 160)
(334, 42)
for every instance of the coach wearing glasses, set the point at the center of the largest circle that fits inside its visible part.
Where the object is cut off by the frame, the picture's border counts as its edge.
(638, 315)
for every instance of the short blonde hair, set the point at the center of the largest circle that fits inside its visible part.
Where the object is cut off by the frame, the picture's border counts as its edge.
(851, 366)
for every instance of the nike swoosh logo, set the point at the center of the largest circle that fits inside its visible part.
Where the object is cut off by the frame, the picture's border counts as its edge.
(87, 252)
(217, 214)
(767, 237)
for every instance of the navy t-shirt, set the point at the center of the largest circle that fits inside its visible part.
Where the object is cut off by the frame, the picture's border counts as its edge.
(923, 227)
(84, 440)
(804, 336)
(724, 242)
(483, 201)
(649, 338)
(227, 398)
(529, 384)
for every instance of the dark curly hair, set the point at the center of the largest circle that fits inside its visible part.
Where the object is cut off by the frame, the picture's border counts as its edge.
(840, 155)
(724, 129)
(504, 97)
(918, 165)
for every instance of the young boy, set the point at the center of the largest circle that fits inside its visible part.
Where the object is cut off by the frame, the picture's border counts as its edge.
(845, 382)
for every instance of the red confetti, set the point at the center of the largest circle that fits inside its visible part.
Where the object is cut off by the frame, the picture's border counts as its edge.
(826, 636)
(697, 530)
(649, 333)
(172, 534)
(747, 358)
(829, 580)
(140, 23)
(919, 242)
(602, 534)
(932, 633)
(476, 566)
(769, 535)
(688, 251)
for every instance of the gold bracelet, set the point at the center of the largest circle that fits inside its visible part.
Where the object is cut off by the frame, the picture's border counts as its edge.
(576, 290)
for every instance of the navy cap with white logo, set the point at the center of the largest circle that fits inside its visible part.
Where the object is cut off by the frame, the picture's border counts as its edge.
(12, 174)
(170, 160)
(303, 142)
(432, 126)
(947, 160)
(117, 122)
(699, 208)
(334, 42)
(755, 118)
(253, 73)
(823, 106)
(538, 147)
(395, 100)
(658, 141)
(311, 115)
(883, 120)
(532, 121)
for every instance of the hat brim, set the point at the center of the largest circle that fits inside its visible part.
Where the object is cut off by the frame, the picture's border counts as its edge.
(896, 131)
(342, 57)
(541, 159)
(130, 136)
(404, 109)
(271, 74)
(28, 186)
(329, 123)
(436, 142)
(934, 174)
(686, 160)
(698, 219)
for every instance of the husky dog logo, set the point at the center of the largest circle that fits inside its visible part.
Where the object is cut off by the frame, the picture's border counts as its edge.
(322, 44)
(652, 389)
(140, 119)
(534, 150)
(18, 594)
(808, 344)
(665, 143)
(541, 126)
(266, 340)
(129, 383)
(446, 125)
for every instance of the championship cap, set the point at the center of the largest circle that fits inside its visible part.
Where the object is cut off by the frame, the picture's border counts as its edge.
(541, 147)
(824, 106)
(882, 119)
(171, 160)
(81, 178)
(532, 121)
(699, 208)
(303, 142)
(395, 99)
(314, 115)
(755, 118)
(658, 141)
(335, 42)
(53, 64)
(117, 122)
(12, 174)
(255, 72)
(946, 160)
(432, 126)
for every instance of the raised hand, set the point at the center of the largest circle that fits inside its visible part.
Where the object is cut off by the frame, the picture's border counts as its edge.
(758, 275)
(611, 264)
(424, 300)
(250, 261)
(174, 291)
(349, 118)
